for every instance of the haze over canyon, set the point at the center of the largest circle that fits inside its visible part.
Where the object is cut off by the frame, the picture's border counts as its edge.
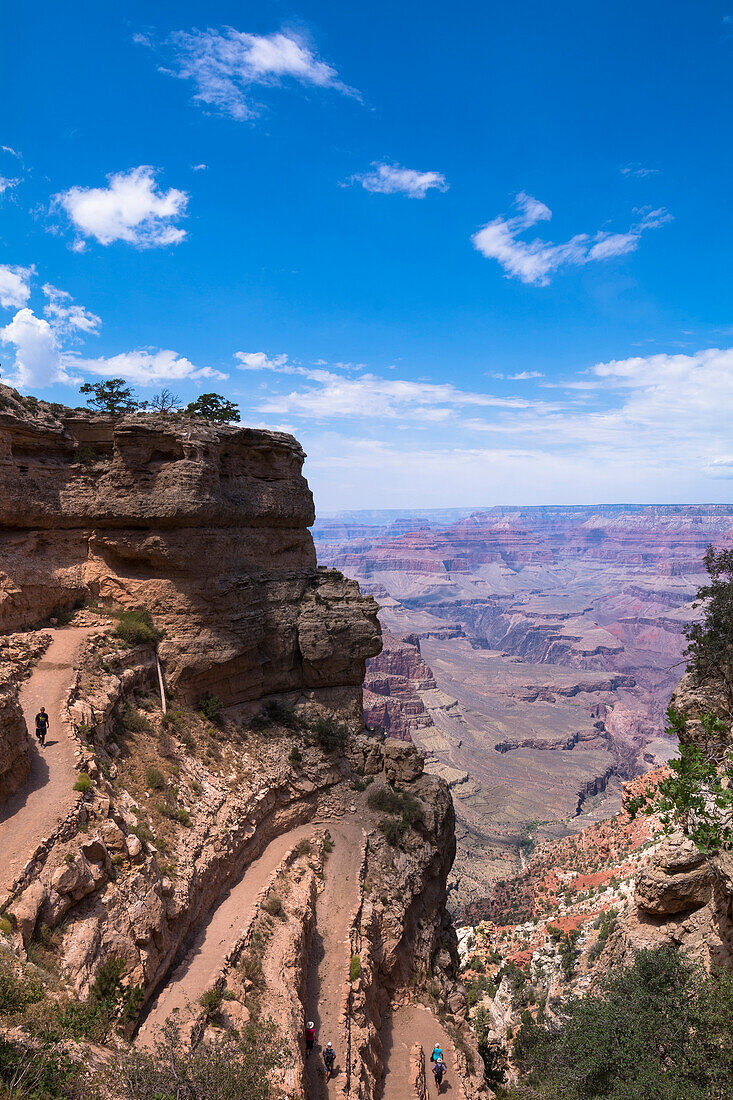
(530, 653)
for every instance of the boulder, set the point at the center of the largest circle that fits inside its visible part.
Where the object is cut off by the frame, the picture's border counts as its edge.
(677, 880)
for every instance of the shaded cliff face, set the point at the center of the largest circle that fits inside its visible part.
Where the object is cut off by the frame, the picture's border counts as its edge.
(206, 526)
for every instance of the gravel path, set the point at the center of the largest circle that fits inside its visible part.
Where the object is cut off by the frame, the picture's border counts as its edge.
(405, 1027)
(33, 812)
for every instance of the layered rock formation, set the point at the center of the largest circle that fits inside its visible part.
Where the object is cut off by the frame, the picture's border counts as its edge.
(392, 685)
(195, 855)
(555, 637)
(205, 526)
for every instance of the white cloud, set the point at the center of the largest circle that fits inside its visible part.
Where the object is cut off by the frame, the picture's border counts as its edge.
(38, 359)
(368, 396)
(199, 167)
(525, 375)
(392, 179)
(225, 64)
(535, 261)
(12, 152)
(15, 288)
(639, 171)
(148, 366)
(259, 360)
(8, 184)
(130, 209)
(67, 317)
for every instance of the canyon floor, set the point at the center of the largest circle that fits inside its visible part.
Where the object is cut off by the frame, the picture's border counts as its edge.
(530, 654)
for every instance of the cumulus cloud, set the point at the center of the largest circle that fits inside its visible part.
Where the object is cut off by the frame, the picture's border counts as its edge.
(131, 209)
(534, 261)
(392, 179)
(15, 286)
(260, 360)
(66, 316)
(224, 65)
(148, 366)
(39, 360)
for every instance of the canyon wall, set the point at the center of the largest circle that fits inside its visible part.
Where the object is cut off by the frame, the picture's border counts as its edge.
(205, 526)
(554, 636)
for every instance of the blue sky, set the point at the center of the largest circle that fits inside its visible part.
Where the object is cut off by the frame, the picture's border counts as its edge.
(468, 256)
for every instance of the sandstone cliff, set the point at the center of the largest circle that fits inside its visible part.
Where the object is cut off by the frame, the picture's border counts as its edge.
(205, 526)
(195, 856)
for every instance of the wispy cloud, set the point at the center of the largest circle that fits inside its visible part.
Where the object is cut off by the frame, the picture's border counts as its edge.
(393, 179)
(225, 65)
(535, 261)
(67, 317)
(130, 209)
(639, 171)
(15, 286)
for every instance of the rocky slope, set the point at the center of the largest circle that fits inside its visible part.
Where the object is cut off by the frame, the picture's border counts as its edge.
(204, 835)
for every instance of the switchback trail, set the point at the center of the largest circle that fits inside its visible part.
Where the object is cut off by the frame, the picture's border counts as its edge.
(330, 956)
(35, 810)
(400, 1031)
(215, 938)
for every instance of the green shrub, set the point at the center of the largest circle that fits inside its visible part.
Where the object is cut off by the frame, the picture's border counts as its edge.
(659, 1029)
(354, 968)
(303, 848)
(176, 813)
(6, 928)
(393, 829)
(133, 721)
(274, 906)
(154, 779)
(295, 756)
(83, 783)
(210, 707)
(228, 1066)
(211, 1002)
(330, 734)
(136, 627)
(275, 713)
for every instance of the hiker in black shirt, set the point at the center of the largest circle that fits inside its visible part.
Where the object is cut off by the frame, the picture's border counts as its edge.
(41, 726)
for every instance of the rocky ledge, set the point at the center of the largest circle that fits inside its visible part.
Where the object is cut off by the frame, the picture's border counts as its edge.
(205, 526)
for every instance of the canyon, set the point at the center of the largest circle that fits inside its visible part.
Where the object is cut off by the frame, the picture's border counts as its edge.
(530, 653)
(210, 834)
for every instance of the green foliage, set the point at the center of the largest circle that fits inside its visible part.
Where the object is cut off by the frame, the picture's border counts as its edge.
(330, 734)
(210, 706)
(83, 783)
(17, 990)
(41, 1072)
(710, 641)
(394, 802)
(214, 407)
(274, 906)
(133, 721)
(295, 756)
(136, 627)
(113, 397)
(697, 797)
(492, 1053)
(660, 1029)
(221, 1069)
(154, 779)
(354, 968)
(393, 830)
(211, 1002)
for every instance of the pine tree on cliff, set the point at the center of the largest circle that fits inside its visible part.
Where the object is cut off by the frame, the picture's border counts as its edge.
(710, 647)
(214, 407)
(114, 397)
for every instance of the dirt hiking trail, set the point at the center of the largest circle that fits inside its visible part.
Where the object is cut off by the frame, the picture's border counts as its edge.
(215, 938)
(330, 957)
(400, 1031)
(35, 810)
